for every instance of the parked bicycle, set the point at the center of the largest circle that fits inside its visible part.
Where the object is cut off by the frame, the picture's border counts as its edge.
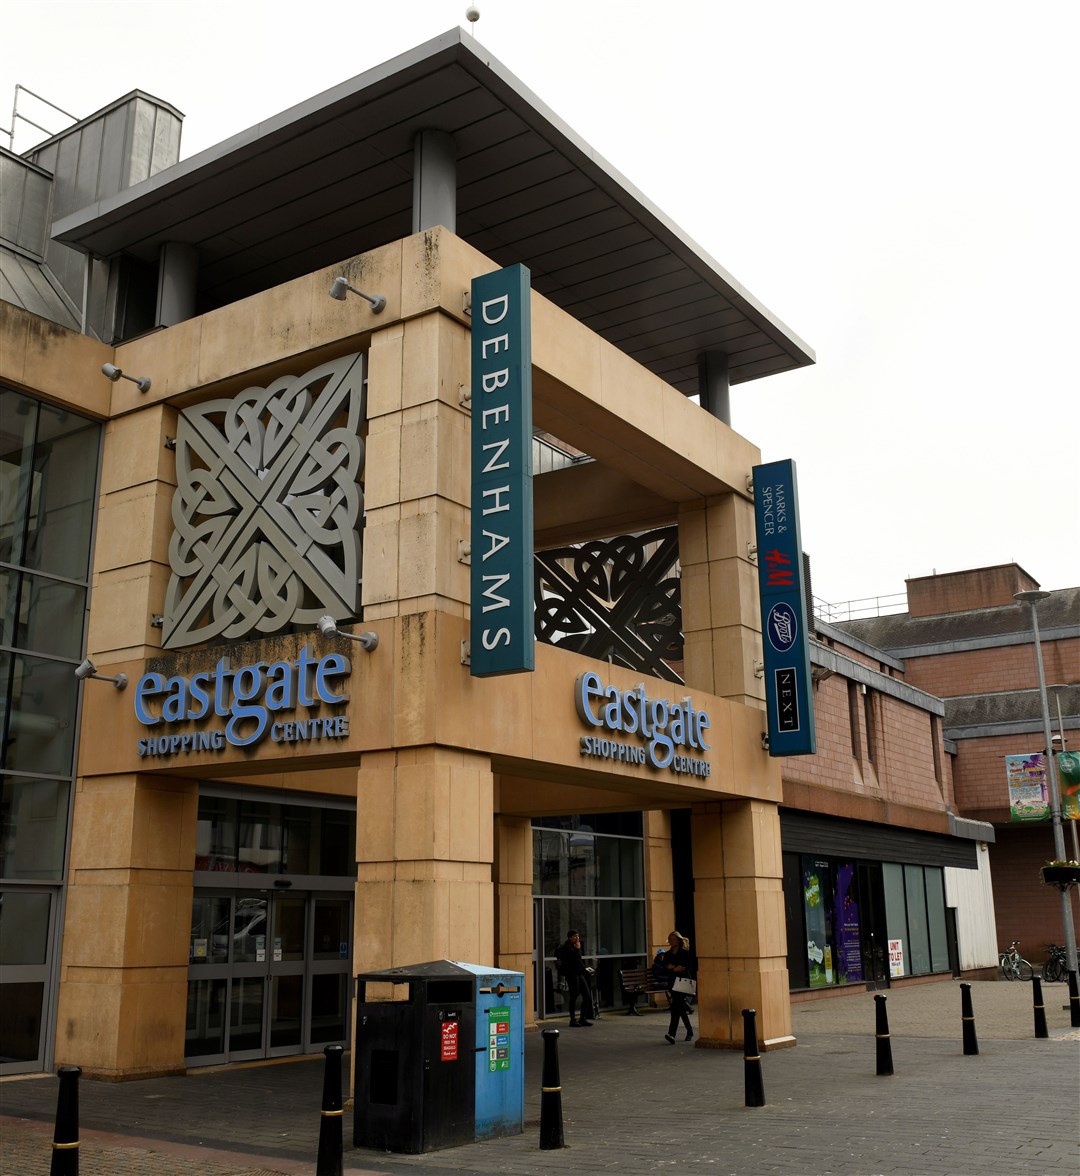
(1056, 968)
(1013, 965)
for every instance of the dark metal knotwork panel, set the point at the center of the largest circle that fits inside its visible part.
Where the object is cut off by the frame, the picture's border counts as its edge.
(614, 598)
(268, 507)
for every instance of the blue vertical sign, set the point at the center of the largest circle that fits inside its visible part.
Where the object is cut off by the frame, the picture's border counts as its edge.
(784, 636)
(501, 626)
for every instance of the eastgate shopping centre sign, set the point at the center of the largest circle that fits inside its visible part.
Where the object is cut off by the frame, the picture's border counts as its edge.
(254, 701)
(662, 728)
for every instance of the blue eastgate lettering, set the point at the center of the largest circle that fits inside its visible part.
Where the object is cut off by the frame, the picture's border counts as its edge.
(248, 695)
(664, 726)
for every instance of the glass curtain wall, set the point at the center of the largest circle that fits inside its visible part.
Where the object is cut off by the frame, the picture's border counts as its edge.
(48, 486)
(589, 875)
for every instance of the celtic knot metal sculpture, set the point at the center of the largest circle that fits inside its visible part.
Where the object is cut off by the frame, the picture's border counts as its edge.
(615, 598)
(268, 507)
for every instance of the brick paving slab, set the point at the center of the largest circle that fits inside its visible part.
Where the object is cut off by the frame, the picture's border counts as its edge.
(635, 1104)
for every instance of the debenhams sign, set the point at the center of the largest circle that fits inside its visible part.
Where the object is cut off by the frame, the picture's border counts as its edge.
(254, 701)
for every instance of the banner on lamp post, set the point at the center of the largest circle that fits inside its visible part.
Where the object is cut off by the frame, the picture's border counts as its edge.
(784, 638)
(1029, 798)
(501, 633)
(1068, 765)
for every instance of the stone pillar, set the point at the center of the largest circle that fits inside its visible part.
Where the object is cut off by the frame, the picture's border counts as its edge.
(514, 902)
(417, 477)
(741, 941)
(659, 882)
(123, 982)
(424, 854)
(721, 614)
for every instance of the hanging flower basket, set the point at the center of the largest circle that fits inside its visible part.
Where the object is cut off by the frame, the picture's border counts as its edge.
(1061, 873)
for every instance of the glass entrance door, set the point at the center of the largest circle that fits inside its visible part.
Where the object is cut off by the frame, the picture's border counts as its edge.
(267, 975)
(26, 930)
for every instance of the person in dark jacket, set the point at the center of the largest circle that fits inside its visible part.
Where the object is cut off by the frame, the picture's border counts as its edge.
(572, 969)
(674, 962)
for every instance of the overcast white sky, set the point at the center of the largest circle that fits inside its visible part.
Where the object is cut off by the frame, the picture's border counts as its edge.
(897, 183)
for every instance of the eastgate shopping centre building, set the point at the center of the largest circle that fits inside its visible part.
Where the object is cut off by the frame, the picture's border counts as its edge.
(525, 738)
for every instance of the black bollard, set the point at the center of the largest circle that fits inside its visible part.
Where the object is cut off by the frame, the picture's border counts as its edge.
(884, 1044)
(551, 1132)
(754, 1087)
(1038, 1007)
(1074, 1002)
(971, 1042)
(330, 1157)
(65, 1153)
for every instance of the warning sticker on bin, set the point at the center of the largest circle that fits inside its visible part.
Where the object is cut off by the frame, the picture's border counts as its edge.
(449, 1041)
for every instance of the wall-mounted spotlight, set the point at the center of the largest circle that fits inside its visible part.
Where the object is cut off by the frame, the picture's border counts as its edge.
(87, 669)
(112, 372)
(341, 287)
(328, 627)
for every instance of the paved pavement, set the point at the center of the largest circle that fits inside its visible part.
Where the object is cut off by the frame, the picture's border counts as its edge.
(634, 1104)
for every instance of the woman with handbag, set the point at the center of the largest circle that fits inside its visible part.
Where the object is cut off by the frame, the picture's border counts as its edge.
(678, 966)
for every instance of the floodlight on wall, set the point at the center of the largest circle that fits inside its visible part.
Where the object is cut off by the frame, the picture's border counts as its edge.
(112, 372)
(87, 669)
(328, 627)
(341, 287)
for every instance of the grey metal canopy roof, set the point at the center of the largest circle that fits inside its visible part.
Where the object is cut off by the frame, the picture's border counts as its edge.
(333, 177)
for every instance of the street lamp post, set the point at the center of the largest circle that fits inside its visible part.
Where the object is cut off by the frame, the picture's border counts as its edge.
(1055, 689)
(1031, 599)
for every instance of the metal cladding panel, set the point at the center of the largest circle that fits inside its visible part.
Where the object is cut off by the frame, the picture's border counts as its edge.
(809, 833)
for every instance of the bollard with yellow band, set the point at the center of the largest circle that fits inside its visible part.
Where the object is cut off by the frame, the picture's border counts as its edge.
(65, 1148)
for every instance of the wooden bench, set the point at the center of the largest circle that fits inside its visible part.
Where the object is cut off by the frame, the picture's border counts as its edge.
(639, 982)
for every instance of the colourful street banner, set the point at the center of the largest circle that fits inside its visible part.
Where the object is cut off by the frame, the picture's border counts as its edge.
(785, 641)
(1028, 796)
(1068, 765)
(501, 618)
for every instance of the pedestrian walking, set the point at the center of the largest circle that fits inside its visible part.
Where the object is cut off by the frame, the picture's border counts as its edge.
(573, 971)
(676, 965)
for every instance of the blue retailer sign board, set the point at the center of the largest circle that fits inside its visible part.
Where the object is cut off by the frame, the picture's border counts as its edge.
(784, 636)
(501, 628)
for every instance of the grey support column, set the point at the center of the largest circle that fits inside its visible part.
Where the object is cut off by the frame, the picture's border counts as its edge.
(434, 181)
(713, 386)
(178, 272)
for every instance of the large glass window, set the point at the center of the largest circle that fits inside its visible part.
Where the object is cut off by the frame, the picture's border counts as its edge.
(589, 874)
(33, 825)
(48, 489)
(855, 921)
(263, 837)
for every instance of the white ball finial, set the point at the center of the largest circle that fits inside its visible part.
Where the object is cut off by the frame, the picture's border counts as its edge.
(472, 14)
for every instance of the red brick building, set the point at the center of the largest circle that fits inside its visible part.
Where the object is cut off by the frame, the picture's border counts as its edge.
(967, 640)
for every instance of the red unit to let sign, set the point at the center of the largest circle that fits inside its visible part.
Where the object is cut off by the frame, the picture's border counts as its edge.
(449, 1041)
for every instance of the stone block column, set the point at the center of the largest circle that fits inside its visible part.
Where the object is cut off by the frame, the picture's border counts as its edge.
(123, 982)
(721, 614)
(659, 881)
(514, 902)
(740, 934)
(424, 889)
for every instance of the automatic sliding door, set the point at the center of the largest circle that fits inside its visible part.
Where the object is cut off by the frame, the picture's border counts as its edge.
(268, 975)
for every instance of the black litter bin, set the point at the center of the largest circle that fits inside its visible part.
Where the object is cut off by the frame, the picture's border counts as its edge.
(415, 1059)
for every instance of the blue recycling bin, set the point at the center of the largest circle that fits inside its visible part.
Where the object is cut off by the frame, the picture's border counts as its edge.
(500, 1051)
